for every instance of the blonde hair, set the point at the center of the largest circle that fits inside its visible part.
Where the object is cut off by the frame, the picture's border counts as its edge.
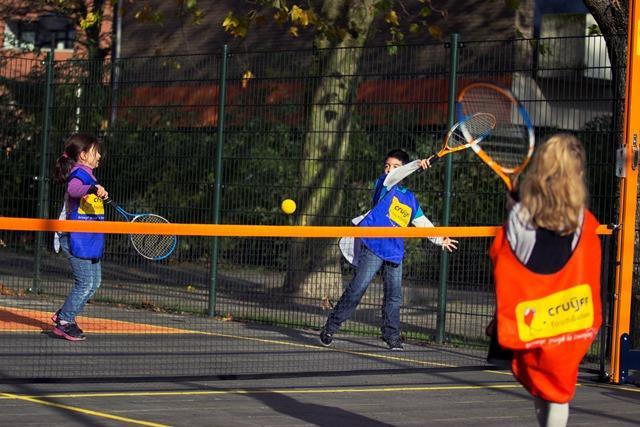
(554, 190)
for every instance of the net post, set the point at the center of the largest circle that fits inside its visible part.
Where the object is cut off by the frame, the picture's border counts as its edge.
(628, 197)
(42, 178)
(213, 268)
(606, 298)
(446, 210)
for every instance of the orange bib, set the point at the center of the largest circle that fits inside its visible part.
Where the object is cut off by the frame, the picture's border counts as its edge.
(550, 320)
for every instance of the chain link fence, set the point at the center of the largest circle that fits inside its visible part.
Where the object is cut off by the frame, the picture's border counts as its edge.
(311, 125)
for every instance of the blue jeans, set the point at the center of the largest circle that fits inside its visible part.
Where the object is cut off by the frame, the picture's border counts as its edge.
(87, 275)
(368, 265)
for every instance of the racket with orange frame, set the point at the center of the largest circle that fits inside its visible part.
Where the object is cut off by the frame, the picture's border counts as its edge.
(466, 133)
(510, 147)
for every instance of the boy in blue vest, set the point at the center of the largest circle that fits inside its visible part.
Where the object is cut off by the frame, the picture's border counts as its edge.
(393, 207)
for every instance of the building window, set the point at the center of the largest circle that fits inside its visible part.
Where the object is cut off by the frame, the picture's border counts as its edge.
(40, 33)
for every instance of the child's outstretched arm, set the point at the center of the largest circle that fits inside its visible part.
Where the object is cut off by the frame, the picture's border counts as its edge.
(449, 244)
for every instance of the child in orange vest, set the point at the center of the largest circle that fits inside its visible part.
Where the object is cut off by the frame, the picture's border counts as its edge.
(547, 270)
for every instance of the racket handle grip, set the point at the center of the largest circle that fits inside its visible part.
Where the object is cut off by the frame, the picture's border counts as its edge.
(94, 190)
(434, 159)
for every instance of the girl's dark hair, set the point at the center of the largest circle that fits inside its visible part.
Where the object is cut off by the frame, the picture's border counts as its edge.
(399, 154)
(73, 146)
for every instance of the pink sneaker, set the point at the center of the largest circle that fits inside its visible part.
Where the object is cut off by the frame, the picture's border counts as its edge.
(70, 332)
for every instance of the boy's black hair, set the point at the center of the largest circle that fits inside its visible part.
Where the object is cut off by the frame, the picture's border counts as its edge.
(400, 154)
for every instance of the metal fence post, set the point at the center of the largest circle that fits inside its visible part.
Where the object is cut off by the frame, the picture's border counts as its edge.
(218, 190)
(626, 248)
(446, 209)
(43, 178)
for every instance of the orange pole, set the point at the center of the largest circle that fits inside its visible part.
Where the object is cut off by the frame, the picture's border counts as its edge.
(236, 230)
(628, 192)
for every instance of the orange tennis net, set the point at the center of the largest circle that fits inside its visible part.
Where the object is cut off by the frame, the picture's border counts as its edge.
(238, 230)
(252, 303)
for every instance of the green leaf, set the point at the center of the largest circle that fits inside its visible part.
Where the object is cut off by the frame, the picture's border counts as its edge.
(414, 28)
(383, 6)
(594, 30)
(543, 50)
(425, 11)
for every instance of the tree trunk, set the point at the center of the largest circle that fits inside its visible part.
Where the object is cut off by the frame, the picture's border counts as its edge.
(91, 89)
(314, 265)
(613, 20)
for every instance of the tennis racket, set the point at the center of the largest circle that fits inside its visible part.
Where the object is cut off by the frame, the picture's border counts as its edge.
(151, 246)
(512, 141)
(464, 134)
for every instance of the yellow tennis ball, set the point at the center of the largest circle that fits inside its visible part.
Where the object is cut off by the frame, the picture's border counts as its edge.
(288, 206)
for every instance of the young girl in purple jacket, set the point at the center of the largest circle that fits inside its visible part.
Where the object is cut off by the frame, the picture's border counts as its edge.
(82, 201)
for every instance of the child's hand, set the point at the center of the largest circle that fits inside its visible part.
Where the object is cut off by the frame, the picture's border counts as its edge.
(449, 244)
(426, 163)
(101, 192)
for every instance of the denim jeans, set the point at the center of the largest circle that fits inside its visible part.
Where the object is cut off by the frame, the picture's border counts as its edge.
(368, 265)
(87, 275)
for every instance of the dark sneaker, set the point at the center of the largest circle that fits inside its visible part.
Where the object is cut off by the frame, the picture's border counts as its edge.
(56, 315)
(69, 331)
(394, 344)
(326, 338)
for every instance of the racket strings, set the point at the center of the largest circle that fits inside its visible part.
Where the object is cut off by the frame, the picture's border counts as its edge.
(478, 127)
(152, 246)
(471, 131)
(509, 143)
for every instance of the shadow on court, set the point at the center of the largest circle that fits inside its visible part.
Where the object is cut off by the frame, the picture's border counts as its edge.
(433, 398)
(15, 399)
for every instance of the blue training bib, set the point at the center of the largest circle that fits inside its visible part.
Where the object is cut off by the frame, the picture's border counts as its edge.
(89, 208)
(397, 208)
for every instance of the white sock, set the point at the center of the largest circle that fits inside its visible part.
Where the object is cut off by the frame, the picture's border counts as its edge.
(551, 414)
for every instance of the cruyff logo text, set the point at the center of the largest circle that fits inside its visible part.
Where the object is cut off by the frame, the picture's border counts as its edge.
(399, 213)
(572, 305)
(562, 312)
(91, 205)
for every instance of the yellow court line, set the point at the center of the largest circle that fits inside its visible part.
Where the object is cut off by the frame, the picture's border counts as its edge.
(315, 347)
(273, 391)
(80, 410)
(611, 387)
(490, 371)
(510, 385)
(260, 340)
